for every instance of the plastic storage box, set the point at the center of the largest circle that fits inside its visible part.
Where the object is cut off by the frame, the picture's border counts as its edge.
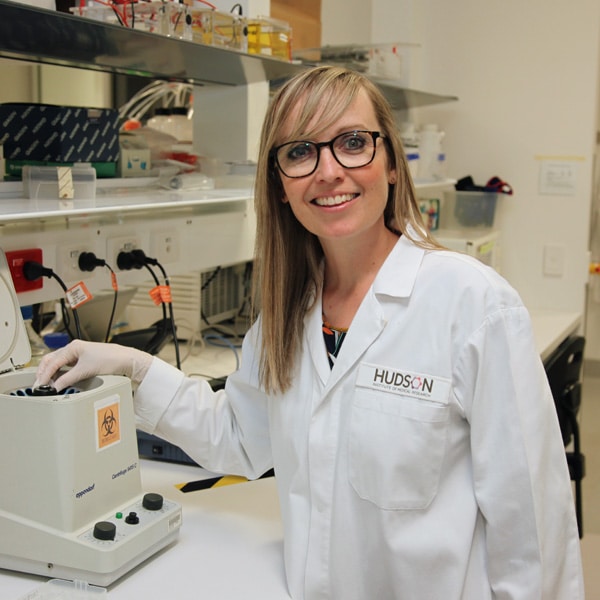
(468, 209)
(50, 183)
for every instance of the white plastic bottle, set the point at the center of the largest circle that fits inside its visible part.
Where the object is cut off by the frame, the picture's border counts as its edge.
(410, 142)
(161, 120)
(430, 153)
(181, 127)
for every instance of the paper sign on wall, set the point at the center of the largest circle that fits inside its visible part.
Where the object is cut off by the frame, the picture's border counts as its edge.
(558, 176)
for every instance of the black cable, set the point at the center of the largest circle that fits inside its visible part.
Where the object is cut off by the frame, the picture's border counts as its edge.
(202, 288)
(136, 259)
(114, 305)
(141, 256)
(118, 15)
(88, 262)
(66, 318)
(34, 270)
(172, 317)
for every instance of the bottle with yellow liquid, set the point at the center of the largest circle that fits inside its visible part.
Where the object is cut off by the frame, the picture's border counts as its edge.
(270, 37)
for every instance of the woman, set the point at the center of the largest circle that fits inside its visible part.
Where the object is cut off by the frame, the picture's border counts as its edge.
(393, 385)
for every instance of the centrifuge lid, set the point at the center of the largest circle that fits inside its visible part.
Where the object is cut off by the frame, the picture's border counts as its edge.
(15, 350)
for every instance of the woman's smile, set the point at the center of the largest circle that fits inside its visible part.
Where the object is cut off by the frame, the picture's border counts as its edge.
(336, 200)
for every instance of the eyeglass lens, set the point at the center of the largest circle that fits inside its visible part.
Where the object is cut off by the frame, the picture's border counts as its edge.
(351, 149)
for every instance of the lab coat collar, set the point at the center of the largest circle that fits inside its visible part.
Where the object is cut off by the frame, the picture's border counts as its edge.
(313, 331)
(396, 278)
(398, 273)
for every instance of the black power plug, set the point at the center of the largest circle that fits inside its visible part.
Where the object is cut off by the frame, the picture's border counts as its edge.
(88, 261)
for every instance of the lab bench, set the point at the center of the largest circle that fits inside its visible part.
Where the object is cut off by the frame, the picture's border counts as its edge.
(230, 544)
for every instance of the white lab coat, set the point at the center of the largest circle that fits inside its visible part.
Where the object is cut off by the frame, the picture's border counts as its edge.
(426, 465)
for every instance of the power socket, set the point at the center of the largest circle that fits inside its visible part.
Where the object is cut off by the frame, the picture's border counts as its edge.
(16, 259)
(164, 246)
(114, 246)
(68, 262)
(554, 260)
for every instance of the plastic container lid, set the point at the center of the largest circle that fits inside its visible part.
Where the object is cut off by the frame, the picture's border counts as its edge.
(179, 110)
(56, 340)
(27, 312)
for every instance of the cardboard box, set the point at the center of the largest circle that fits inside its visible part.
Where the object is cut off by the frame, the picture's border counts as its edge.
(45, 133)
(305, 21)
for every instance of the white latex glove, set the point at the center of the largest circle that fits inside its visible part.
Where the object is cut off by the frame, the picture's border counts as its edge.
(91, 358)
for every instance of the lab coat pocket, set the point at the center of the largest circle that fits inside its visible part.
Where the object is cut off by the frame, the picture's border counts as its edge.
(396, 449)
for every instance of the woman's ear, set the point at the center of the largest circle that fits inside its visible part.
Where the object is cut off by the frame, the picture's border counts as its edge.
(392, 177)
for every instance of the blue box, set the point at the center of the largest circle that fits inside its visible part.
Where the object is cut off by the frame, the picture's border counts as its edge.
(45, 133)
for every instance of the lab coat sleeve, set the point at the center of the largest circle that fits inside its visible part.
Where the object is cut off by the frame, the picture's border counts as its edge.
(225, 431)
(520, 474)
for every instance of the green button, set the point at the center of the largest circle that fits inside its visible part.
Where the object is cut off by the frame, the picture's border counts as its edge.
(119, 515)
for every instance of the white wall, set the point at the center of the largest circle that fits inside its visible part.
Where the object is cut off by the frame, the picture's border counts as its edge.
(346, 21)
(526, 74)
(525, 93)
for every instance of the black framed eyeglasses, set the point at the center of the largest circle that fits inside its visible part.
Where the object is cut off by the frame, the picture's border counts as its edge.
(351, 149)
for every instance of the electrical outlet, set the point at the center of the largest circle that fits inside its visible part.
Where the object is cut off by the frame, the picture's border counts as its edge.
(164, 246)
(68, 262)
(114, 246)
(554, 260)
(16, 259)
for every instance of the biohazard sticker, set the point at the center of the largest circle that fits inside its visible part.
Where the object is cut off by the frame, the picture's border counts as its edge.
(108, 422)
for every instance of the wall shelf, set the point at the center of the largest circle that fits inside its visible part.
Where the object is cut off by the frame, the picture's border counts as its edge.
(403, 98)
(115, 198)
(359, 57)
(51, 37)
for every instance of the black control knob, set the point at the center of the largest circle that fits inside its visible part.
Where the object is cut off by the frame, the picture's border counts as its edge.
(132, 518)
(105, 530)
(152, 501)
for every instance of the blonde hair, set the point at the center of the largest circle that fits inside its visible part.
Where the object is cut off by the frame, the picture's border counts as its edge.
(288, 257)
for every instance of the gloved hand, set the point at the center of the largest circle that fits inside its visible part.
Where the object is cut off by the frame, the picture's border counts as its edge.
(91, 358)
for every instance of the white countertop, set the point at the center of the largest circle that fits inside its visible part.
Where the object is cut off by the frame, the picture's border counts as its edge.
(551, 327)
(230, 544)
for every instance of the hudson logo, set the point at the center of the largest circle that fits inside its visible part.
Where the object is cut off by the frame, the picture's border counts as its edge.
(402, 380)
(404, 383)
